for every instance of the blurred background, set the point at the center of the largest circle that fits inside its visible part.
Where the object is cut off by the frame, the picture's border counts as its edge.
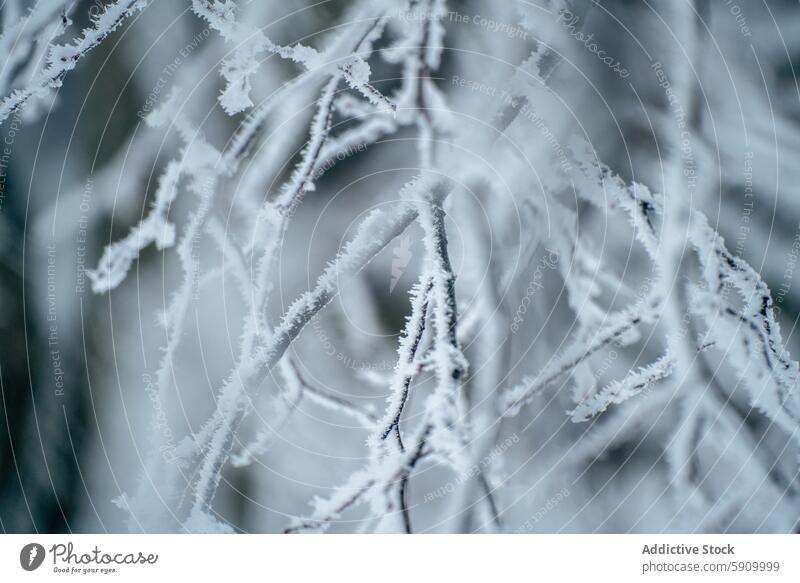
(80, 167)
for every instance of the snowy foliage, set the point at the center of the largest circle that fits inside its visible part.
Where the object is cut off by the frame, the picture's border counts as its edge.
(640, 329)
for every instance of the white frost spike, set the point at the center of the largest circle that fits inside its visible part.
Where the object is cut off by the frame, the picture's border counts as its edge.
(616, 328)
(620, 391)
(64, 58)
(401, 259)
(251, 44)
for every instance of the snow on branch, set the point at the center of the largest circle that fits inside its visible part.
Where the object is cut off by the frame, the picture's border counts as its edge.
(63, 58)
(618, 392)
(617, 329)
(773, 381)
(751, 333)
(374, 234)
(434, 412)
(18, 42)
(252, 44)
(406, 368)
(447, 437)
(156, 228)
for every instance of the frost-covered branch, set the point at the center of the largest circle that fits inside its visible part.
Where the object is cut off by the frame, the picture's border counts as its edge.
(528, 265)
(63, 58)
